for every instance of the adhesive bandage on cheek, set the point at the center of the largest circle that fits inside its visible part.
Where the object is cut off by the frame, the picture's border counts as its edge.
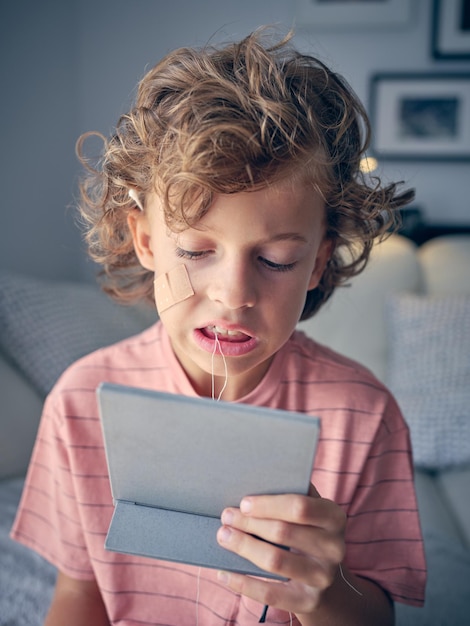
(172, 287)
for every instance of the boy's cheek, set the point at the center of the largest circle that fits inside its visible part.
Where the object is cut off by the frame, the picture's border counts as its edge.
(172, 287)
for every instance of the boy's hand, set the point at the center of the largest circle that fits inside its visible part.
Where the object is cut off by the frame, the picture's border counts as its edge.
(313, 528)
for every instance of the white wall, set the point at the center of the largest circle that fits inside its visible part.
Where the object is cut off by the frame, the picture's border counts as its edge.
(68, 67)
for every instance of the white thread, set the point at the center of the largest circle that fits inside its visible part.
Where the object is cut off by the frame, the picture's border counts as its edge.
(217, 345)
(347, 581)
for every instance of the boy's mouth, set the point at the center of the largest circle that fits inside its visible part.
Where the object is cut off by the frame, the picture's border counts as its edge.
(224, 334)
(231, 340)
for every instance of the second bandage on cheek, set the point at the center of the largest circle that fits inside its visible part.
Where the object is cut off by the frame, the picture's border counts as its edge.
(172, 287)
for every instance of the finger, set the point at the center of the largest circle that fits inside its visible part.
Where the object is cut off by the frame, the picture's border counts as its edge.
(299, 509)
(279, 595)
(276, 560)
(312, 540)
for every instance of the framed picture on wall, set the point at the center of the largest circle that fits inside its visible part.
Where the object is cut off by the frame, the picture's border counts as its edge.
(352, 13)
(451, 29)
(420, 116)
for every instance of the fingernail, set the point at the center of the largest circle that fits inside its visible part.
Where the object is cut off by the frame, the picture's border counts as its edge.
(224, 534)
(227, 517)
(245, 505)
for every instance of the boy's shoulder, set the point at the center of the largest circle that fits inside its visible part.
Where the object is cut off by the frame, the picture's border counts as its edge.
(338, 385)
(319, 357)
(120, 362)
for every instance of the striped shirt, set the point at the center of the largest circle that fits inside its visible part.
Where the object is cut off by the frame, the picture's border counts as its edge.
(363, 463)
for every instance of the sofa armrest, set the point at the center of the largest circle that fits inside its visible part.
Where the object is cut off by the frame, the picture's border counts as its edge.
(21, 408)
(453, 485)
(436, 515)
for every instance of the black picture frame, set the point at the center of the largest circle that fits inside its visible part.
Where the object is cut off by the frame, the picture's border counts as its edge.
(451, 30)
(420, 116)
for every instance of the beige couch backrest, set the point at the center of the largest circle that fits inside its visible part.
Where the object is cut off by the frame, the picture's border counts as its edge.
(353, 321)
(446, 264)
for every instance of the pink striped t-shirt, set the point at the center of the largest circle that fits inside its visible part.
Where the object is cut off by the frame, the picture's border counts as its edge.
(363, 463)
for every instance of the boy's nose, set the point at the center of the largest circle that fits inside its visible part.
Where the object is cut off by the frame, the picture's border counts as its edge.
(234, 287)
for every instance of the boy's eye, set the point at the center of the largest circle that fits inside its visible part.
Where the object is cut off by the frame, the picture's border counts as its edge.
(190, 254)
(194, 255)
(277, 267)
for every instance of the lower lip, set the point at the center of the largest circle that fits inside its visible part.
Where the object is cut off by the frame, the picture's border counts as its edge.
(229, 348)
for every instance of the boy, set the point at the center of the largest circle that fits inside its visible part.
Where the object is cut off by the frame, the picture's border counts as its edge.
(227, 196)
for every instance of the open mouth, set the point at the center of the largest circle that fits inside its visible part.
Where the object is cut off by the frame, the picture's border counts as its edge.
(231, 342)
(223, 334)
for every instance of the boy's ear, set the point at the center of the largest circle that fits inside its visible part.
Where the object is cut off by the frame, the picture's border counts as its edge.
(323, 256)
(139, 226)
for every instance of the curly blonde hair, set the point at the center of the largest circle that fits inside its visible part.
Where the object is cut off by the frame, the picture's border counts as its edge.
(221, 120)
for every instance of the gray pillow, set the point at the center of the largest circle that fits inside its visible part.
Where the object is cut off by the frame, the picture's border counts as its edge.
(429, 373)
(45, 325)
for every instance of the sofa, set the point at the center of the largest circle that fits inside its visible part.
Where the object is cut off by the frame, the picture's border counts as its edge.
(406, 317)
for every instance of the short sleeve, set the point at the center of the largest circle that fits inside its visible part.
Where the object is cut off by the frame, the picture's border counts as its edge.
(48, 519)
(384, 541)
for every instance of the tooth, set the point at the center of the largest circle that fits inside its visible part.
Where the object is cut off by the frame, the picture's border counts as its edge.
(220, 331)
(223, 331)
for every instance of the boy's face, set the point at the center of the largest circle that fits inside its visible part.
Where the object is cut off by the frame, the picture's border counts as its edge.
(251, 260)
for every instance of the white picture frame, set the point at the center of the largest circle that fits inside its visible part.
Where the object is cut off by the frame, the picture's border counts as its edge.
(420, 116)
(345, 14)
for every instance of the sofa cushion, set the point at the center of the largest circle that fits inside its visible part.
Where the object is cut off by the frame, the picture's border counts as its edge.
(47, 325)
(444, 262)
(429, 373)
(352, 321)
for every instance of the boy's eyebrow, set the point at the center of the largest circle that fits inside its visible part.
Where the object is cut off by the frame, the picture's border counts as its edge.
(278, 237)
(289, 237)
